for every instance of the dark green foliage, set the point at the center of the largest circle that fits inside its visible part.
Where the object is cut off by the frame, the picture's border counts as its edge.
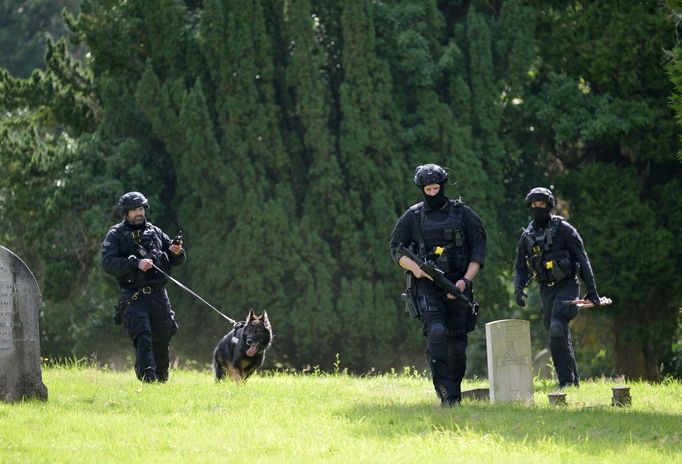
(25, 28)
(622, 233)
(281, 137)
(603, 98)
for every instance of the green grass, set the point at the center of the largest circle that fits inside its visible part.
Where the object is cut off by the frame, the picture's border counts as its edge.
(105, 416)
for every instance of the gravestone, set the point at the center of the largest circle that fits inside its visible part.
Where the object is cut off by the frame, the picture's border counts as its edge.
(510, 369)
(20, 303)
(541, 364)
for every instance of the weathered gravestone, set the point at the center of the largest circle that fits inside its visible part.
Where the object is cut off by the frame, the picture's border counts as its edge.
(20, 302)
(510, 369)
(541, 364)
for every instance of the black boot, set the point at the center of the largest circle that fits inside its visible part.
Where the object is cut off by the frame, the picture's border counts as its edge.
(147, 376)
(162, 376)
(451, 402)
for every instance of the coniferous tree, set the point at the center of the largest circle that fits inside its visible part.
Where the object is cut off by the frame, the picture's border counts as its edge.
(604, 104)
(308, 99)
(367, 153)
(282, 138)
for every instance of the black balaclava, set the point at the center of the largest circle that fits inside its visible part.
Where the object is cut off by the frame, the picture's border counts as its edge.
(540, 216)
(436, 201)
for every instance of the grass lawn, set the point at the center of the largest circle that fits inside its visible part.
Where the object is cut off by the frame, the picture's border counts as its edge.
(95, 415)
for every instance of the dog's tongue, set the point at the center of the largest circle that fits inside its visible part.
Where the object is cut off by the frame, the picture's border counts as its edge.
(252, 350)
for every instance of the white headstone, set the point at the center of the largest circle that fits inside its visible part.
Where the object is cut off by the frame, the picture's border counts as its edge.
(510, 368)
(20, 303)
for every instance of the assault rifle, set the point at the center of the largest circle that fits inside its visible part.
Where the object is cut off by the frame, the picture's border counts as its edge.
(437, 275)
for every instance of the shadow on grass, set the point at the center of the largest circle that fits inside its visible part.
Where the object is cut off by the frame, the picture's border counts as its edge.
(604, 428)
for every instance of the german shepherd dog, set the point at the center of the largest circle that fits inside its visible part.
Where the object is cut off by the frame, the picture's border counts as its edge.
(242, 350)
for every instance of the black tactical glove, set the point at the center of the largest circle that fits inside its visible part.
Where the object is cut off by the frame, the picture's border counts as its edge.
(521, 297)
(593, 296)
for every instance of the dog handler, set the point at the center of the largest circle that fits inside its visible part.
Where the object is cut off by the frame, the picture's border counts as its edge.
(551, 251)
(452, 235)
(130, 252)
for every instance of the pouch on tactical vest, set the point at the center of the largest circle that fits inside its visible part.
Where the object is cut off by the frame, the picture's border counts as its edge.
(558, 265)
(549, 267)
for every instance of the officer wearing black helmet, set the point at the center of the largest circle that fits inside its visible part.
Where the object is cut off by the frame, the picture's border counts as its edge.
(551, 251)
(451, 234)
(133, 251)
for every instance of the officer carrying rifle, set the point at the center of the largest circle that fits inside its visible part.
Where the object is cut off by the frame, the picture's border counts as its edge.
(441, 244)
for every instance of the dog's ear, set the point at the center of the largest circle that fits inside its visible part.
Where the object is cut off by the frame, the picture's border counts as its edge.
(266, 321)
(251, 315)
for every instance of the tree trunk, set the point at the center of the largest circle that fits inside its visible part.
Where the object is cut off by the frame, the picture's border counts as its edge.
(636, 356)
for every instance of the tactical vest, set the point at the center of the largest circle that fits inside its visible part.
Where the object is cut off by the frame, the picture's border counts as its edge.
(547, 265)
(143, 243)
(147, 241)
(444, 242)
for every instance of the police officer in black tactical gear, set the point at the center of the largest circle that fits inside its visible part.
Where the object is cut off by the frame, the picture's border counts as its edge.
(551, 251)
(451, 234)
(132, 251)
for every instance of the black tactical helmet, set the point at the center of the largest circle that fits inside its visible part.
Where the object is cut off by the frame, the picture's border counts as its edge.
(132, 200)
(429, 174)
(541, 194)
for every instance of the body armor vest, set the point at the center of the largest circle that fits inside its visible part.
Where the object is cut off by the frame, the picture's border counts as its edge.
(445, 242)
(143, 243)
(546, 263)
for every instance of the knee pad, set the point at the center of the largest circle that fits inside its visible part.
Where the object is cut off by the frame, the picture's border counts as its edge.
(437, 341)
(558, 329)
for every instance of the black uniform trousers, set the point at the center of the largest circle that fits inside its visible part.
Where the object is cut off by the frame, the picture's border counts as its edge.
(556, 317)
(444, 326)
(150, 323)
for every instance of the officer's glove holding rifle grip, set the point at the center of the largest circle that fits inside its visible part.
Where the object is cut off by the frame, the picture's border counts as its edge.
(521, 298)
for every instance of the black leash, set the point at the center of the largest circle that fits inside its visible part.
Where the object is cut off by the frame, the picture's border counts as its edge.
(185, 288)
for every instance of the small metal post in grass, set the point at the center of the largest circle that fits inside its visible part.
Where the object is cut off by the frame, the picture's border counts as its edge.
(621, 396)
(557, 398)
